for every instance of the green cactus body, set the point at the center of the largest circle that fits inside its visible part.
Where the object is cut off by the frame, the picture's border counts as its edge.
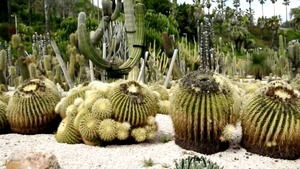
(31, 108)
(2, 66)
(203, 106)
(164, 107)
(3, 119)
(163, 93)
(107, 130)
(133, 103)
(88, 126)
(32, 70)
(139, 134)
(78, 92)
(271, 122)
(72, 63)
(66, 133)
(102, 109)
(123, 130)
(47, 63)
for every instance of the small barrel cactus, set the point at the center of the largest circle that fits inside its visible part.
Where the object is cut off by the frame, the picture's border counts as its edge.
(271, 121)
(133, 103)
(161, 90)
(203, 106)
(66, 133)
(88, 126)
(3, 119)
(107, 130)
(31, 108)
(77, 92)
(196, 162)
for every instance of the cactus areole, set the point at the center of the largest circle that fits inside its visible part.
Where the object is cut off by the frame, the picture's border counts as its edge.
(134, 24)
(203, 106)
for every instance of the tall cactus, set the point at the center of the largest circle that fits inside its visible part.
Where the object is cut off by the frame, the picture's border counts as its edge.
(294, 57)
(2, 66)
(134, 23)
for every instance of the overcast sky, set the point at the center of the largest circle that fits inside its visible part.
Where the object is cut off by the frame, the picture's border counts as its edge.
(268, 7)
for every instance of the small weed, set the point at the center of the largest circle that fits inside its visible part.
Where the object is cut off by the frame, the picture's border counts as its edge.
(148, 162)
(165, 165)
(166, 138)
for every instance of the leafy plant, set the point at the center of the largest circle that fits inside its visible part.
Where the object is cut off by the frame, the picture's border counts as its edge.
(196, 162)
(148, 162)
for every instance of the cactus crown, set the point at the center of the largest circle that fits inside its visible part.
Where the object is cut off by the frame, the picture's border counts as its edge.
(202, 82)
(32, 87)
(280, 91)
(133, 90)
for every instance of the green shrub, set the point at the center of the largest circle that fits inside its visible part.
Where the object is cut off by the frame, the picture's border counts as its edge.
(196, 162)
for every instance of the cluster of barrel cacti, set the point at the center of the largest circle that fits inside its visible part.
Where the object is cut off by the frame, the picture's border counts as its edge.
(207, 110)
(101, 113)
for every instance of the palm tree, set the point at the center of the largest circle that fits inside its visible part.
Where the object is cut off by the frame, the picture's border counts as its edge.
(286, 3)
(295, 13)
(236, 4)
(262, 2)
(273, 2)
(250, 9)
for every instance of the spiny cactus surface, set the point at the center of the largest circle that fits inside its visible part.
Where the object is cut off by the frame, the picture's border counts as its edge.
(203, 106)
(31, 108)
(271, 122)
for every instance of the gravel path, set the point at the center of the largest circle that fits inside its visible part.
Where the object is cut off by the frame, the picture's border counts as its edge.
(81, 156)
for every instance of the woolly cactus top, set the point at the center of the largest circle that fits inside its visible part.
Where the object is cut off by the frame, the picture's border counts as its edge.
(281, 91)
(133, 90)
(204, 82)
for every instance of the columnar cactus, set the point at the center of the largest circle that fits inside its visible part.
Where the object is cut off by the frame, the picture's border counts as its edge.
(31, 108)
(271, 122)
(133, 103)
(203, 106)
(134, 23)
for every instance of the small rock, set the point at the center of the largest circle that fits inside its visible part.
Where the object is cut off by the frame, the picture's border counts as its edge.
(32, 160)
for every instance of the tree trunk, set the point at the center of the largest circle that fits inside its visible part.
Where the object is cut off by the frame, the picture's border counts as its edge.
(30, 12)
(46, 6)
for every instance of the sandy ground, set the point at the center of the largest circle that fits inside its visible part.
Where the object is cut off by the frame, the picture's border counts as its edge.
(81, 156)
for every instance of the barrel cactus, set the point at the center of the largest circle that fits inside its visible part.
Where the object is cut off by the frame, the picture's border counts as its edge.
(77, 92)
(3, 120)
(203, 106)
(271, 121)
(66, 133)
(31, 108)
(133, 103)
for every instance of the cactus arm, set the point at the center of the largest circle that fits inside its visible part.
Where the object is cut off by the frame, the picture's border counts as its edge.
(135, 48)
(106, 8)
(117, 10)
(95, 38)
(86, 47)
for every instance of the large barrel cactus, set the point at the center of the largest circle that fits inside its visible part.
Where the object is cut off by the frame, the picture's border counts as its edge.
(202, 106)
(133, 103)
(271, 122)
(3, 120)
(31, 108)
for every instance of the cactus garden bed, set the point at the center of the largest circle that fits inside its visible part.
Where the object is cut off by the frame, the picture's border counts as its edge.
(161, 151)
